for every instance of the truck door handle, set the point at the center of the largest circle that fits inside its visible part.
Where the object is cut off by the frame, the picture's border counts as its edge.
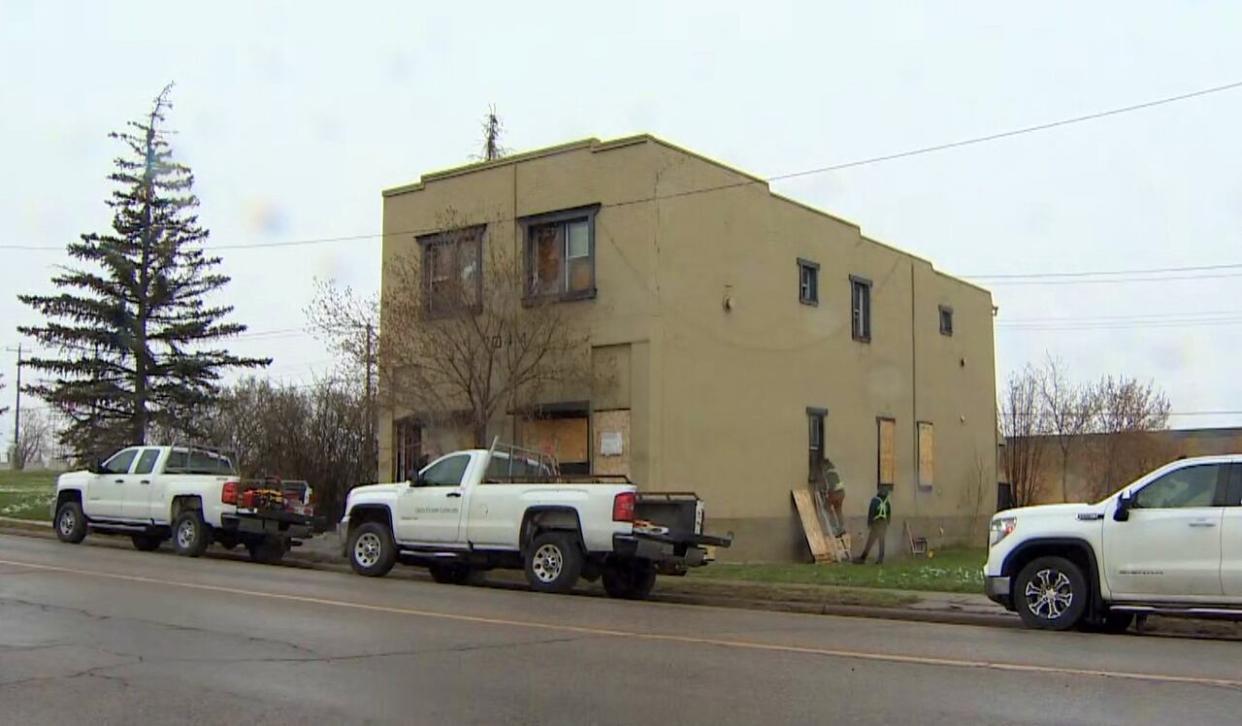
(455, 495)
(145, 481)
(118, 481)
(1202, 524)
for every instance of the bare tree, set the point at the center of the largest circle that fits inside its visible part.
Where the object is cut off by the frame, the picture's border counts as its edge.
(1128, 418)
(1070, 410)
(461, 340)
(493, 129)
(34, 440)
(1023, 421)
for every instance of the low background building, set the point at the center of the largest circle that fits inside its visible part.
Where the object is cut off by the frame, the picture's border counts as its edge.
(737, 338)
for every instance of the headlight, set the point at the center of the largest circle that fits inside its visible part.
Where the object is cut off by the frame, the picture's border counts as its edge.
(1001, 528)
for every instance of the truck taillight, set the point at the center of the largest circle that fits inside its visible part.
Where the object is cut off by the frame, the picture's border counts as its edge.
(623, 507)
(228, 494)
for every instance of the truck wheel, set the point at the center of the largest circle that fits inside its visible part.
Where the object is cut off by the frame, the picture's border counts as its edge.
(1051, 594)
(553, 562)
(191, 535)
(70, 523)
(146, 542)
(629, 579)
(451, 574)
(267, 551)
(371, 550)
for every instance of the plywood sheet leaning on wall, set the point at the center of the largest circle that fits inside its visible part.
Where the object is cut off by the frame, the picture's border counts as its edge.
(815, 539)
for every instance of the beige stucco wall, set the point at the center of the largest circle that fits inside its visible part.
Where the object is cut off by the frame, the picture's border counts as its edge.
(718, 397)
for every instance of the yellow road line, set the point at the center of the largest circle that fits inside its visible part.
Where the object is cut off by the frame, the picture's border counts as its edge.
(660, 637)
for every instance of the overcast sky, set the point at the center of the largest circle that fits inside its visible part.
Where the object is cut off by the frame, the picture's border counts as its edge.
(295, 115)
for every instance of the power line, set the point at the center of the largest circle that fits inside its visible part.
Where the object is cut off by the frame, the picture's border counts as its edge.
(756, 180)
(1102, 273)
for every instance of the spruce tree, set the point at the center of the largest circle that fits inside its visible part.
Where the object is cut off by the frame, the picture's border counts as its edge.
(137, 340)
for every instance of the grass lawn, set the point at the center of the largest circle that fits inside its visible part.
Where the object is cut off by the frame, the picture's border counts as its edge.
(959, 570)
(27, 494)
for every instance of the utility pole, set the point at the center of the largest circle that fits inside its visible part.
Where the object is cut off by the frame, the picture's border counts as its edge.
(17, 463)
(372, 463)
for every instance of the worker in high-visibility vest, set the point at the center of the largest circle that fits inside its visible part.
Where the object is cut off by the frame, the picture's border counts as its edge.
(879, 513)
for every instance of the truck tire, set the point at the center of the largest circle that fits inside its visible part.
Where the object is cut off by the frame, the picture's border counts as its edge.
(146, 542)
(191, 535)
(629, 579)
(1051, 594)
(268, 551)
(372, 552)
(70, 523)
(451, 574)
(553, 562)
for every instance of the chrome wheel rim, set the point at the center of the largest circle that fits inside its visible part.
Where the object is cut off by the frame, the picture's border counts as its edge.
(548, 563)
(67, 521)
(1049, 594)
(185, 535)
(367, 549)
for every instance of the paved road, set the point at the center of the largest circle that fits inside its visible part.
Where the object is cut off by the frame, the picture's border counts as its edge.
(100, 635)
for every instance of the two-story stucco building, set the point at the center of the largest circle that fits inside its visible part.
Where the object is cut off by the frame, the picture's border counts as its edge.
(749, 336)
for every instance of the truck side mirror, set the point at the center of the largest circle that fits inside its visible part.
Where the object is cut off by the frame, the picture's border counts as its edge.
(1124, 502)
(96, 466)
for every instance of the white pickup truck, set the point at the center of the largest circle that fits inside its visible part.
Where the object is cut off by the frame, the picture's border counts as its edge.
(482, 509)
(1168, 544)
(189, 494)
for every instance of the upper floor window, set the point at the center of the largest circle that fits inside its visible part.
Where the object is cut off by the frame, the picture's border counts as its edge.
(452, 270)
(946, 320)
(808, 282)
(560, 254)
(860, 309)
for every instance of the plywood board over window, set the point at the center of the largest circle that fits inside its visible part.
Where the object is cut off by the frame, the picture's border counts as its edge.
(886, 429)
(927, 455)
(565, 438)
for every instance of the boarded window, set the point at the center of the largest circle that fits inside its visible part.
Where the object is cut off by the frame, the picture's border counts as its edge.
(887, 463)
(563, 436)
(927, 455)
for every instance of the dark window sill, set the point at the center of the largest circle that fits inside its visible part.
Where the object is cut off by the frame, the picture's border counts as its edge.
(862, 339)
(531, 300)
(812, 303)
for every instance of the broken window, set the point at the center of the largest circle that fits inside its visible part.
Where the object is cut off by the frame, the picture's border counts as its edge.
(560, 254)
(452, 270)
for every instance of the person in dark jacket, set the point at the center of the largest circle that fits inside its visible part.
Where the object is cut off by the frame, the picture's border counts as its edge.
(879, 513)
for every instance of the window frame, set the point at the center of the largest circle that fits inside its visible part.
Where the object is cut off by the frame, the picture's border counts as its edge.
(1233, 491)
(808, 266)
(128, 467)
(860, 315)
(946, 310)
(817, 423)
(561, 217)
(450, 238)
(137, 466)
(1223, 476)
(422, 475)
